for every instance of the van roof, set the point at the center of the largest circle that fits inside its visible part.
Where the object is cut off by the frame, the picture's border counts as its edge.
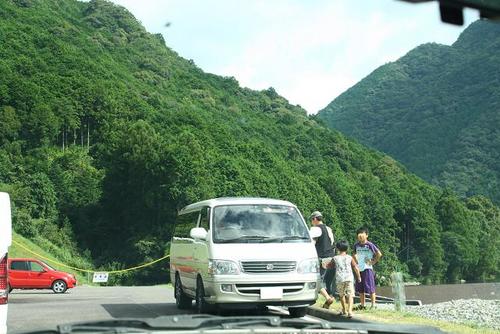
(233, 201)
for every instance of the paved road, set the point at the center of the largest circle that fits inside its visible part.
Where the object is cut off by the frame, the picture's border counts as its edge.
(42, 309)
(31, 310)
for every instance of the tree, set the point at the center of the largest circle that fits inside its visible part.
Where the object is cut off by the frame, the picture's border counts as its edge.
(460, 238)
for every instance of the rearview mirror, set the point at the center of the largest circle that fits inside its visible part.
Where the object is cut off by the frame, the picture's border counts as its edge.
(452, 10)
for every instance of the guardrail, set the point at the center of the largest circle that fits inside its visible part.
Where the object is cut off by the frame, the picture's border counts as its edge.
(388, 300)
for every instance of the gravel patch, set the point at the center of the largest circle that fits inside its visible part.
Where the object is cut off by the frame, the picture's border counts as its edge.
(485, 313)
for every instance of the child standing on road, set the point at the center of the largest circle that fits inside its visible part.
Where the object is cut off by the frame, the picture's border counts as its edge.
(366, 254)
(344, 265)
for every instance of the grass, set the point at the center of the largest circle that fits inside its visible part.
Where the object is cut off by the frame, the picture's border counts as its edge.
(394, 317)
(17, 251)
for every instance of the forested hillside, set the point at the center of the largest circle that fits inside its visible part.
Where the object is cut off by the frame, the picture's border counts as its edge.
(436, 110)
(105, 133)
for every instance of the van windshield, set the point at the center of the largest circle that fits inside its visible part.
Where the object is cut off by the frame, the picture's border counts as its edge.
(258, 224)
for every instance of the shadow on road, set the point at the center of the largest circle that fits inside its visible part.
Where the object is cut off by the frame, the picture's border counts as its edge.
(36, 292)
(151, 310)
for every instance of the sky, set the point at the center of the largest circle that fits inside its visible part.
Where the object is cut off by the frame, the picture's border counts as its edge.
(309, 51)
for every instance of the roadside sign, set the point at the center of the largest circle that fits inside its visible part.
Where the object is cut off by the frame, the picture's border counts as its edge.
(100, 277)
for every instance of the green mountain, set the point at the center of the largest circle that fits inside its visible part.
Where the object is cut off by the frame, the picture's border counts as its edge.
(105, 133)
(436, 110)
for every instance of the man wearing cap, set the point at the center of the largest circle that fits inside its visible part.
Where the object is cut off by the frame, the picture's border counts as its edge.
(324, 248)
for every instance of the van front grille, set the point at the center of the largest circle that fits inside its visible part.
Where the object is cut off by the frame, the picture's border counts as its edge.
(268, 266)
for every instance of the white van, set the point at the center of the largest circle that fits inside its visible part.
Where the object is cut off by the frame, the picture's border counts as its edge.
(5, 241)
(242, 253)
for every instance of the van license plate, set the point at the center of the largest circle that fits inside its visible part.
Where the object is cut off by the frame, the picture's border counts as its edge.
(271, 293)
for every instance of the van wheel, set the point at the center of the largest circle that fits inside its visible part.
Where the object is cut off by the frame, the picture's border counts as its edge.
(182, 301)
(201, 305)
(59, 286)
(297, 312)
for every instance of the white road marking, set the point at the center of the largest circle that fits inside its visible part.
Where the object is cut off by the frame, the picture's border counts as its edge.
(283, 311)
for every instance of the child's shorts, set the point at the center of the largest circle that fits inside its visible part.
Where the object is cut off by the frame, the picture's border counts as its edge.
(345, 288)
(367, 284)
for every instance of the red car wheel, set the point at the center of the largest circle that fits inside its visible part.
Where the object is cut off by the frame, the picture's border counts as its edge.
(59, 286)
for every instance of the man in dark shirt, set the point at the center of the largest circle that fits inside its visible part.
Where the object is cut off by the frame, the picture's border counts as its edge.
(325, 251)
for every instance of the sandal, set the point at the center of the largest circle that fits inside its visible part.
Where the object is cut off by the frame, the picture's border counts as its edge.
(359, 307)
(328, 302)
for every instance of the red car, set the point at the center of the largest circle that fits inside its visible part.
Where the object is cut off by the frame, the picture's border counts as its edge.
(35, 274)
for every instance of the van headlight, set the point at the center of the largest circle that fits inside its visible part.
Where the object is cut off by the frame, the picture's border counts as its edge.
(222, 267)
(308, 266)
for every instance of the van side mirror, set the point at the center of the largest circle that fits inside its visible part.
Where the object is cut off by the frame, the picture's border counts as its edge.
(315, 232)
(198, 233)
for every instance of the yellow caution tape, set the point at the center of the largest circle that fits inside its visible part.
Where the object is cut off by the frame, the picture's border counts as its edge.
(88, 270)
